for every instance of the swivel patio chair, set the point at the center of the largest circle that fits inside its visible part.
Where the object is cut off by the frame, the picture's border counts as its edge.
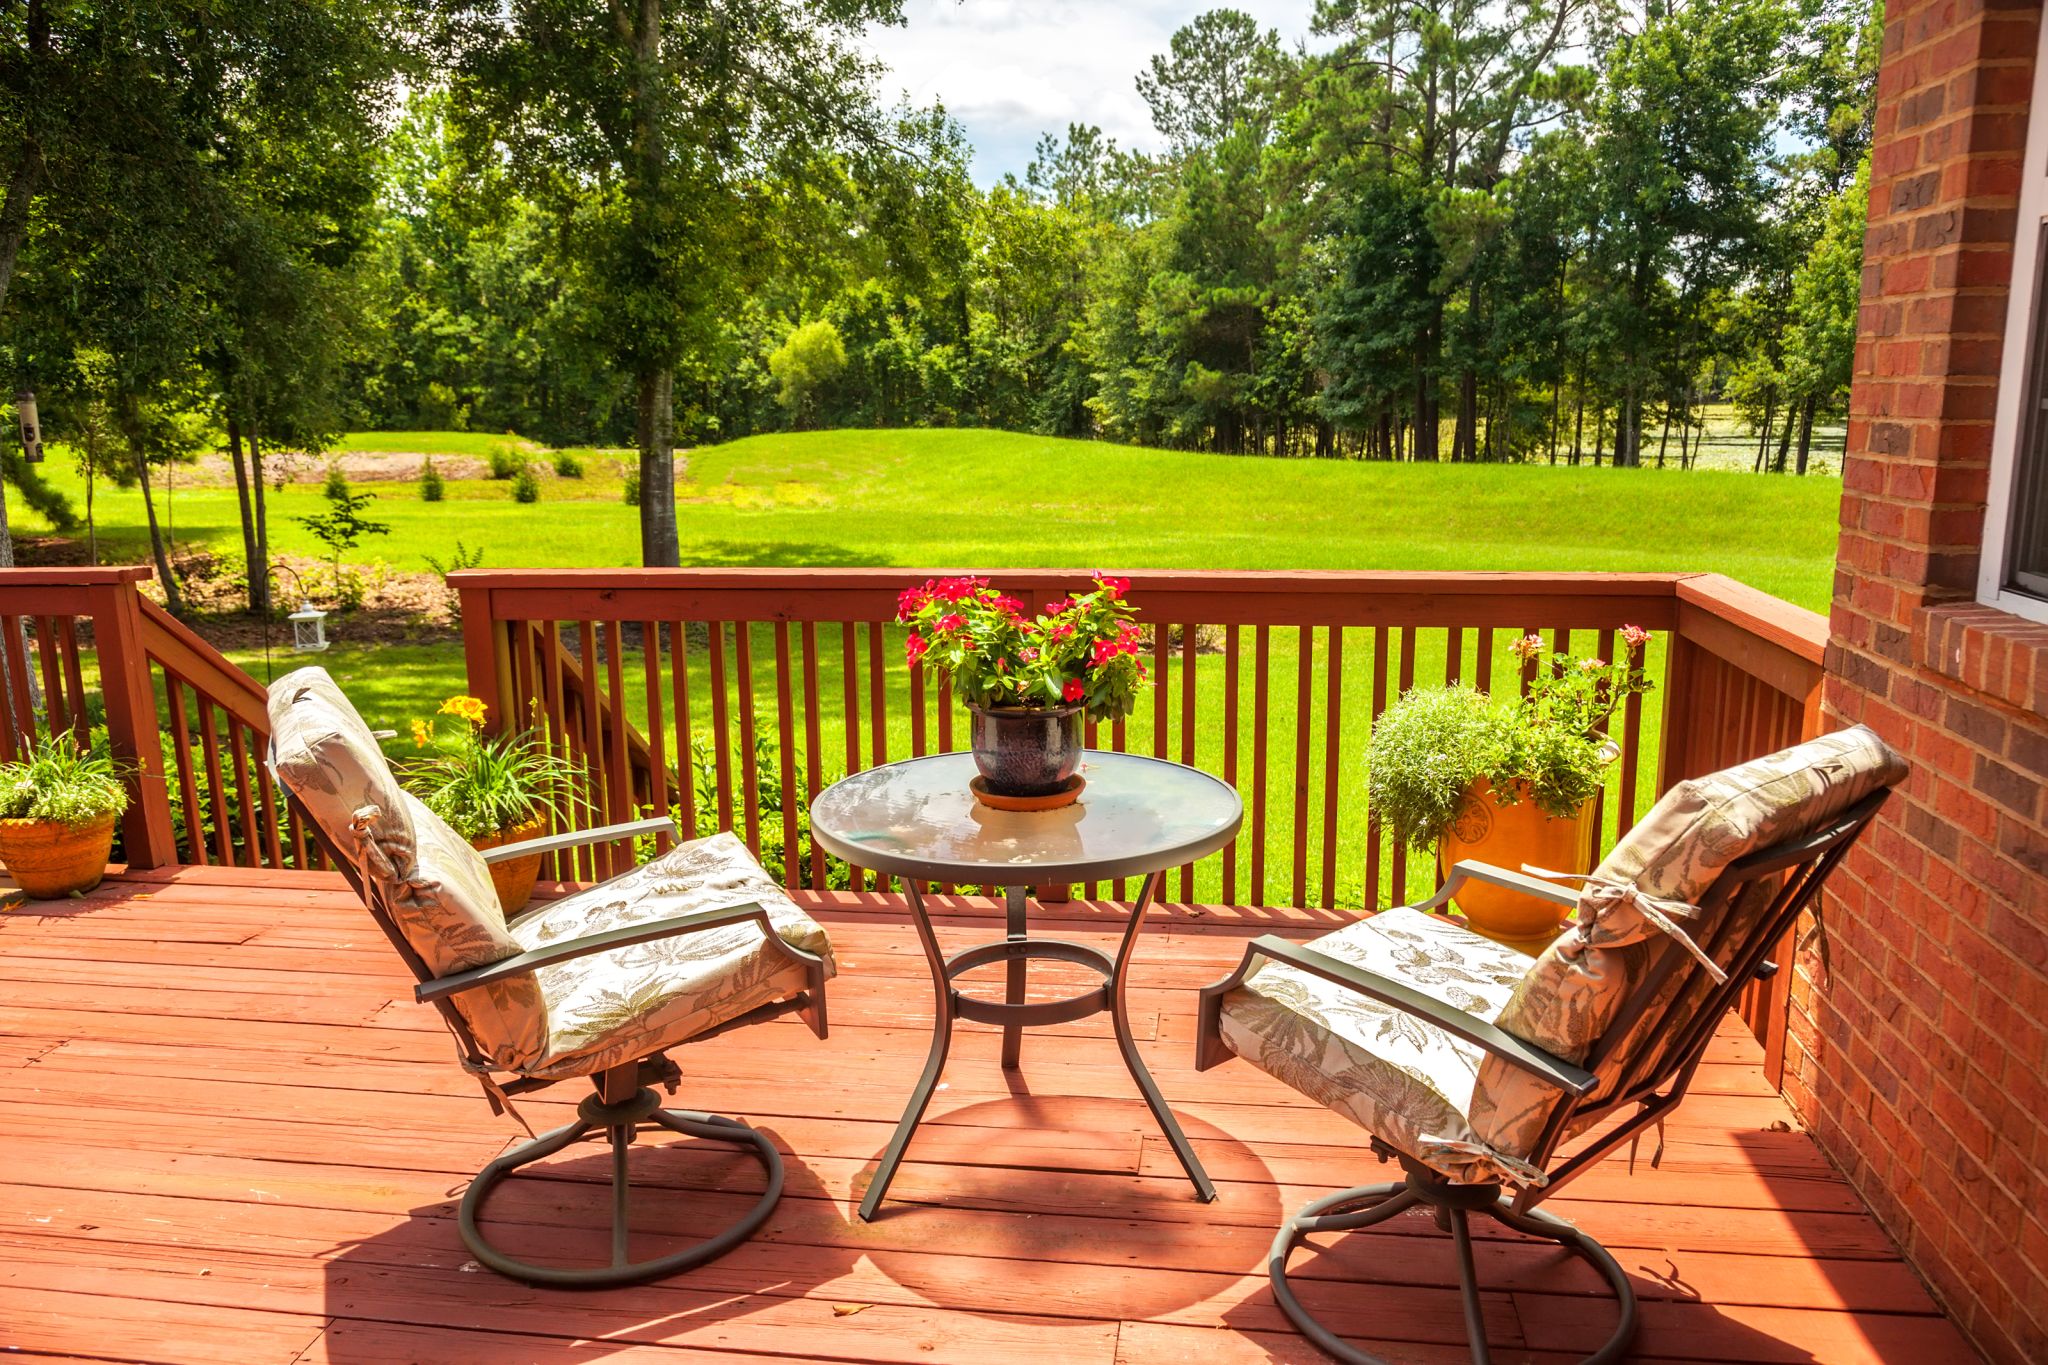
(600, 983)
(1471, 1065)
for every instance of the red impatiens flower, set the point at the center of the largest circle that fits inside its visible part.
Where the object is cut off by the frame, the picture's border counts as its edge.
(1055, 608)
(1008, 605)
(1073, 691)
(1115, 587)
(914, 647)
(1635, 636)
(952, 620)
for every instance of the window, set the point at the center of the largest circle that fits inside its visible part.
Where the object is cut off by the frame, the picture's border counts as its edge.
(2014, 572)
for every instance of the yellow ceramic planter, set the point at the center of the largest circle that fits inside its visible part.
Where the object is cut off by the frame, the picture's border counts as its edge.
(51, 860)
(514, 880)
(1509, 836)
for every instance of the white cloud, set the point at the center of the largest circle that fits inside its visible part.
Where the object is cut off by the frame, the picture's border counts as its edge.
(1010, 70)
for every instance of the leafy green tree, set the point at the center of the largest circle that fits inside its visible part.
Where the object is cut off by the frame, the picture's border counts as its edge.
(341, 528)
(640, 124)
(812, 357)
(1219, 72)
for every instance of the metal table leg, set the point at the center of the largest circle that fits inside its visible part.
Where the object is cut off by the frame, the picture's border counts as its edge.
(935, 1062)
(1119, 1013)
(1014, 986)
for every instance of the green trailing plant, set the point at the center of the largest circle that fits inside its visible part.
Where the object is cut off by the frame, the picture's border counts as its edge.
(567, 466)
(1549, 745)
(506, 463)
(432, 489)
(525, 487)
(59, 780)
(483, 785)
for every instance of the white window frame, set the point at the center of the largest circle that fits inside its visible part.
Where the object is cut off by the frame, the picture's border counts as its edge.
(2021, 328)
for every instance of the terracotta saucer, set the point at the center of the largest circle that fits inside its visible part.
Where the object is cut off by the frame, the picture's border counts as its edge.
(1067, 795)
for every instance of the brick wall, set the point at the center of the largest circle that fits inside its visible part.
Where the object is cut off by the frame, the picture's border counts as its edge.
(1917, 1033)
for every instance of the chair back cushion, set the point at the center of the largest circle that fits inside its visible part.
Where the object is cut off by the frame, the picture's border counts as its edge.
(432, 885)
(1569, 997)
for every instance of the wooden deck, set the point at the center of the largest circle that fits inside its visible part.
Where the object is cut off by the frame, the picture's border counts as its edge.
(228, 1136)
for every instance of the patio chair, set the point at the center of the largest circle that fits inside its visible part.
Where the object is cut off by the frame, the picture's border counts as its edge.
(1471, 1065)
(600, 983)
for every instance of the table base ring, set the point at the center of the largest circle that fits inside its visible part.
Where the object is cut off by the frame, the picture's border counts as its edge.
(1037, 1015)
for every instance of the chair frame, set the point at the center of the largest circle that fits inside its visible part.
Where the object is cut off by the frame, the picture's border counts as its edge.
(624, 1102)
(1640, 1089)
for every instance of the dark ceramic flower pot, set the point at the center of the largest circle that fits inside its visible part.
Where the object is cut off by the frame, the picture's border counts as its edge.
(1025, 751)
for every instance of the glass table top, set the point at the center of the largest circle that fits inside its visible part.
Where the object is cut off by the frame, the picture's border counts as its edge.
(917, 818)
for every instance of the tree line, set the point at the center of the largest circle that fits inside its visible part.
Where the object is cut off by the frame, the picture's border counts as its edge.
(1446, 229)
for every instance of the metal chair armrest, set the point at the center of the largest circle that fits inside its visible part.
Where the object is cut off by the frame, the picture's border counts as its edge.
(1472, 870)
(577, 838)
(525, 964)
(1525, 1056)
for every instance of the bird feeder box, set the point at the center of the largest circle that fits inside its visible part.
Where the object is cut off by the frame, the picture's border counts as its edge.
(31, 427)
(309, 629)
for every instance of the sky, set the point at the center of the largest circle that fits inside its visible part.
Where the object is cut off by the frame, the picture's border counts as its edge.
(1010, 70)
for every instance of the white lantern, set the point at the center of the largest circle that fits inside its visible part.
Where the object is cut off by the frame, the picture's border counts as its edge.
(309, 631)
(31, 428)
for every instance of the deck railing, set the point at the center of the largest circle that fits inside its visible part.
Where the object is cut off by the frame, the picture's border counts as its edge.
(727, 698)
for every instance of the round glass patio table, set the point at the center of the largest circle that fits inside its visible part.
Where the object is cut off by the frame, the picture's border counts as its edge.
(916, 819)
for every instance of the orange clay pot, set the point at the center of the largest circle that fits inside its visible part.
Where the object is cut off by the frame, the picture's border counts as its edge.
(514, 880)
(51, 860)
(1509, 836)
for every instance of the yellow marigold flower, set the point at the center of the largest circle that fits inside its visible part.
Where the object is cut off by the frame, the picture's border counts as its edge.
(470, 709)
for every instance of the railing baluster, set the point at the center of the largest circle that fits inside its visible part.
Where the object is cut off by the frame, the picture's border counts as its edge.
(1454, 656)
(785, 749)
(1372, 819)
(813, 774)
(619, 766)
(590, 710)
(686, 739)
(1230, 749)
(1484, 671)
(1528, 671)
(657, 729)
(1160, 684)
(210, 743)
(22, 722)
(68, 632)
(1398, 889)
(1189, 638)
(267, 794)
(1333, 725)
(238, 749)
(878, 713)
(750, 762)
(188, 792)
(849, 676)
(55, 713)
(1631, 749)
(945, 713)
(1262, 650)
(1304, 712)
(1606, 652)
(721, 728)
(914, 681)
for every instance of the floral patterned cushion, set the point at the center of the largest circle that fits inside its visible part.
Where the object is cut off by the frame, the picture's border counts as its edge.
(1572, 992)
(434, 886)
(1385, 1070)
(614, 1007)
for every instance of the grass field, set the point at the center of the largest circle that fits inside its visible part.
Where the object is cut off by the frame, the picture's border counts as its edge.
(924, 499)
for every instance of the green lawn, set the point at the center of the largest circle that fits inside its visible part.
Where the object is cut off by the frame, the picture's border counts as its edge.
(923, 499)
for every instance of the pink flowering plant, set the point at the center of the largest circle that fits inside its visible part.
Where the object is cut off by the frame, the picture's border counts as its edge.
(1079, 650)
(1549, 743)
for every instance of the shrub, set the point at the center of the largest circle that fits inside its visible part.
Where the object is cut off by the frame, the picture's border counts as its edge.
(336, 487)
(55, 779)
(506, 463)
(525, 488)
(567, 466)
(632, 490)
(431, 487)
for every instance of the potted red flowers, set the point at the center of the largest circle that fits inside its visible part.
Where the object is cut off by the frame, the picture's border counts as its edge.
(1027, 680)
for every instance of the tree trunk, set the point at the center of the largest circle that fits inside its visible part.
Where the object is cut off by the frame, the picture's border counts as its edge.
(659, 546)
(1763, 435)
(1579, 415)
(250, 558)
(1784, 444)
(172, 597)
(259, 568)
(1806, 429)
(1465, 443)
(1664, 441)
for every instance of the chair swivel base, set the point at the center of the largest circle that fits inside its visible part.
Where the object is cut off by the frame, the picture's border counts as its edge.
(620, 1122)
(1453, 1204)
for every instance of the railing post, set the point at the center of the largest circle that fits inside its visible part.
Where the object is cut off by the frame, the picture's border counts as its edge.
(487, 656)
(127, 684)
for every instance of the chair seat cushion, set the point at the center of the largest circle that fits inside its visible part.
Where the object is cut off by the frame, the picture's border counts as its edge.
(615, 1007)
(1403, 1079)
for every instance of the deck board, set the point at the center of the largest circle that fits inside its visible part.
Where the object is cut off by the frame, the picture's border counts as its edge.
(230, 1135)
